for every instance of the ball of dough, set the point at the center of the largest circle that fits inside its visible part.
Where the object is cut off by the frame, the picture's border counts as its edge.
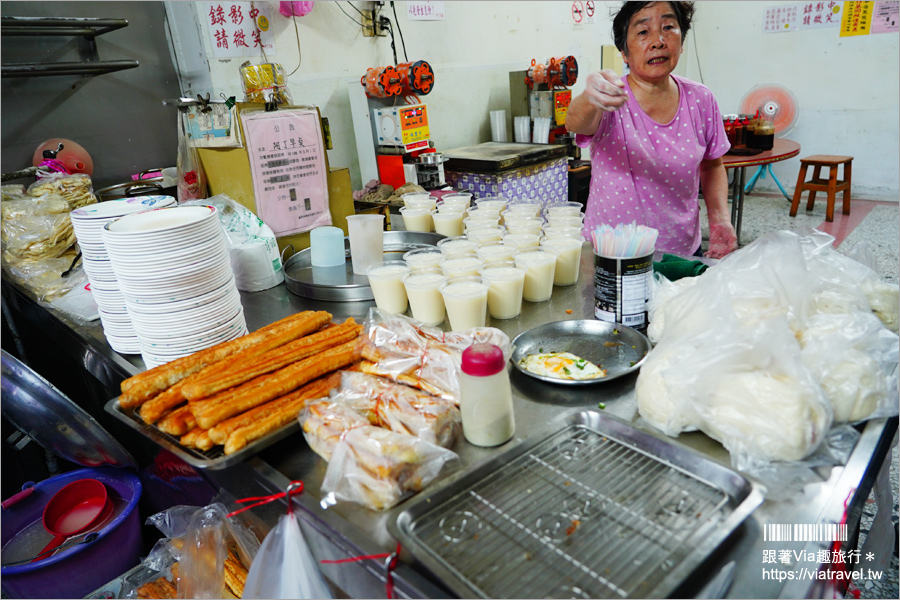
(855, 386)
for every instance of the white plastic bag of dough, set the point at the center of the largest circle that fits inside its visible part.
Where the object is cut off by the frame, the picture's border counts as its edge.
(663, 291)
(853, 357)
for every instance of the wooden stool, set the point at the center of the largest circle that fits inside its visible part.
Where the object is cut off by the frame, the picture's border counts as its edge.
(817, 184)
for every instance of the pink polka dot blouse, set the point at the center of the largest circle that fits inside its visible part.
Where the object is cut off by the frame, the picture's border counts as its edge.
(648, 172)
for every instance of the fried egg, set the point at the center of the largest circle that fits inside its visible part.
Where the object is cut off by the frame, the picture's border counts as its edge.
(561, 365)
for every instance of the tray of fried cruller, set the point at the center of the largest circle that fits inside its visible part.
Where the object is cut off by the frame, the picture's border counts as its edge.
(219, 405)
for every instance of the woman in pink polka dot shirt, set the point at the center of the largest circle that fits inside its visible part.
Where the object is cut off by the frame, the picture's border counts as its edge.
(654, 137)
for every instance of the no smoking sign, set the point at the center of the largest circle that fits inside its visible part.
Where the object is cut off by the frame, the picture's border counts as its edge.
(583, 12)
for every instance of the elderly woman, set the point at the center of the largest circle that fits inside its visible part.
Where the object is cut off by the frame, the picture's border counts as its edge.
(654, 137)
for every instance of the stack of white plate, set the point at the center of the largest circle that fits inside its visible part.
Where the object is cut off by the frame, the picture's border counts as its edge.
(175, 275)
(88, 223)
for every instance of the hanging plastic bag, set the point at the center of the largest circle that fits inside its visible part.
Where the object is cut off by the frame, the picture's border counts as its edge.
(191, 176)
(284, 566)
(251, 245)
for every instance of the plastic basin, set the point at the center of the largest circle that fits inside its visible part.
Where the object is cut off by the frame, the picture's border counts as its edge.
(78, 570)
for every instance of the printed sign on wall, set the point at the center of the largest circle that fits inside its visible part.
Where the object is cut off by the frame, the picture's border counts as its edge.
(778, 19)
(857, 18)
(239, 28)
(815, 15)
(886, 16)
(424, 10)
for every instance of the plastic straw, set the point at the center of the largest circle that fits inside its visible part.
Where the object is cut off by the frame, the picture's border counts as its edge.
(625, 240)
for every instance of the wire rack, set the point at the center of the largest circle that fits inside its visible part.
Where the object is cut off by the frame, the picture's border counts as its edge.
(579, 515)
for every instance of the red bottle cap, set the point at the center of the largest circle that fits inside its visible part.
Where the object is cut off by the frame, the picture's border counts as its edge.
(482, 360)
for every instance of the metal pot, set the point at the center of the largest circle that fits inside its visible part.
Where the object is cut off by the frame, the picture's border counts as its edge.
(152, 186)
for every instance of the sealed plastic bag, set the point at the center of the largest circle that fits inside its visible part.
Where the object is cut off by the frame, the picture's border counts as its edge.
(284, 566)
(420, 355)
(251, 245)
(77, 189)
(36, 228)
(378, 468)
(767, 349)
(324, 423)
(400, 408)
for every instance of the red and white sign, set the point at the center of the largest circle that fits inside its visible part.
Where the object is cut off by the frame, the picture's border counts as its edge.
(577, 11)
(590, 12)
(239, 28)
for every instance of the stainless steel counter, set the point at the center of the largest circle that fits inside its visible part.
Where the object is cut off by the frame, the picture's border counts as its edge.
(347, 530)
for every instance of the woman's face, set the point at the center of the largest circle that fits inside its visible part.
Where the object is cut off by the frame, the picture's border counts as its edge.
(653, 42)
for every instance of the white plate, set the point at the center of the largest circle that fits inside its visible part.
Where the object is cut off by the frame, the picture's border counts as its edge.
(118, 208)
(205, 280)
(155, 310)
(186, 323)
(160, 244)
(185, 293)
(180, 339)
(158, 220)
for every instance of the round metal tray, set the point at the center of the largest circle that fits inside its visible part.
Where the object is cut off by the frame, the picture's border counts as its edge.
(617, 348)
(341, 284)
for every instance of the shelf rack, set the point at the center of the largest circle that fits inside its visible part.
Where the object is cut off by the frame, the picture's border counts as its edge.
(85, 28)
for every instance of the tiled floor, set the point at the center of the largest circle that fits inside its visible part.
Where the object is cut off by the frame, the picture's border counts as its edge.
(878, 225)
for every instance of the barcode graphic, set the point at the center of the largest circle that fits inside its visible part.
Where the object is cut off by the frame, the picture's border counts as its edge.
(798, 532)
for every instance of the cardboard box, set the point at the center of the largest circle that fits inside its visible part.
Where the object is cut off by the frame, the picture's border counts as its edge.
(228, 172)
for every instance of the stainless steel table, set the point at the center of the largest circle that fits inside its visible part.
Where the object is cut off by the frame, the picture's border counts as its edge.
(346, 530)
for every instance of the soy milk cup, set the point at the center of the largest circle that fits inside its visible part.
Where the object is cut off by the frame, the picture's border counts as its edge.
(417, 219)
(466, 301)
(457, 246)
(539, 266)
(425, 299)
(386, 280)
(448, 223)
(423, 258)
(507, 282)
(568, 258)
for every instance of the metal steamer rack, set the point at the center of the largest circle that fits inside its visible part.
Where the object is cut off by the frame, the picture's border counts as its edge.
(595, 510)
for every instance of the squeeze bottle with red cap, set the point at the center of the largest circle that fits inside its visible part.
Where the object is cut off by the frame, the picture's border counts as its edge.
(485, 396)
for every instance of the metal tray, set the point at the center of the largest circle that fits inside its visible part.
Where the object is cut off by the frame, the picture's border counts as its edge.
(211, 459)
(341, 284)
(617, 348)
(597, 509)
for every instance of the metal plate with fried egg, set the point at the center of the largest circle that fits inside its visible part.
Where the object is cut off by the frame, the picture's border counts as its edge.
(618, 349)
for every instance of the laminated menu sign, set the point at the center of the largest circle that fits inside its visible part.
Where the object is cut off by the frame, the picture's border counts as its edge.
(287, 162)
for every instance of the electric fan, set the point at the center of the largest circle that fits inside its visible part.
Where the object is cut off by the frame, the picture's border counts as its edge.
(778, 104)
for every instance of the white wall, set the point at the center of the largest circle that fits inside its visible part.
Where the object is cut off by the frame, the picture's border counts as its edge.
(847, 87)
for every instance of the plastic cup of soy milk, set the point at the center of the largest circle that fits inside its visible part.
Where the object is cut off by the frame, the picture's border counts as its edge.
(539, 266)
(568, 258)
(466, 301)
(416, 219)
(425, 300)
(386, 280)
(507, 282)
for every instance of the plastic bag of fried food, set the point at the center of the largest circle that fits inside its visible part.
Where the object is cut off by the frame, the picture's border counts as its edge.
(419, 355)
(400, 408)
(202, 555)
(378, 468)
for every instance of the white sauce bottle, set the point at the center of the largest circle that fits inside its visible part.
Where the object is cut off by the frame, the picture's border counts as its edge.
(485, 396)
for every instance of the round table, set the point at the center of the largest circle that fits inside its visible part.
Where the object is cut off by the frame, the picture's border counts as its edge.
(782, 149)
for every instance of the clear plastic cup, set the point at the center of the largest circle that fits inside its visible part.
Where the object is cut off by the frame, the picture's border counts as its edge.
(568, 258)
(492, 203)
(575, 221)
(415, 197)
(457, 246)
(525, 207)
(452, 207)
(465, 299)
(366, 233)
(507, 281)
(524, 225)
(559, 231)
(490, 252)
(417, 219)
(486, 234)
(522, 241)
(423, 258)
(457, 198)
(564, 208)
(448, 223)
(425, 299)
(482, 222)
(539, 266)
(461, 266)
(386, 280)
(478, 213)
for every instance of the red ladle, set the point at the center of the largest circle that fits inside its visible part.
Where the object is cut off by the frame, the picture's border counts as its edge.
(74, 509)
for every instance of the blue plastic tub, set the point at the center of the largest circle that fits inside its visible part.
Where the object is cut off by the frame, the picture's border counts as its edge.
(78, 570)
